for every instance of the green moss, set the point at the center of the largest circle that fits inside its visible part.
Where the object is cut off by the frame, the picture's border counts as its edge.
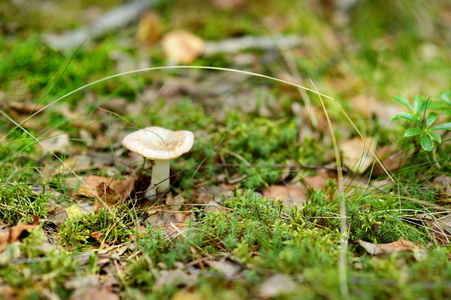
(40, 264)
(18, 202)
(374, 56)
(115, 225)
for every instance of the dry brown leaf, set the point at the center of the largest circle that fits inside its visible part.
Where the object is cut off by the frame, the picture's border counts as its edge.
(8, 292)
(356, 155)
(15, 233)
(371, 248)
(182, 46)
(391, 159)
(4, 236)
(22, 108)
(397, 246)
(320, 180)
(105, 190)
(369, 106)
(88, 189)
(400, 245)
(17, 230)
(443, 185)
(98, 237)
(108, 195)
(149, 28)
(441, 228)
(445, 224)
(21, 111)
(289, 195)
(363, 104)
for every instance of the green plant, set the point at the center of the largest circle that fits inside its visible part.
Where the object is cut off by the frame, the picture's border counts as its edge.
(114, 225)
(18, 202)
(421, 116)
(35, 265)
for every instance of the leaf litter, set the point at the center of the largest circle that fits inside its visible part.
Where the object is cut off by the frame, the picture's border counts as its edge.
(397, 246)
(175, 211)
(16, 233)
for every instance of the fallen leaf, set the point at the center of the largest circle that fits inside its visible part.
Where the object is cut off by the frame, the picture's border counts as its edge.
(27, 108)
(182, 46)
(106, 191)
(445, 224)
(363, 104)
(391, 159)
(369, 106)
(19, 110)
(397, 246)
(98, 237)
(289, 195)
(74, 211)
(318, 181)
(7, 292)
(443, 185)
(275, 286)
(440, 228)
(149, 28)
(371, 248)
(4, 236)
(15, 233)
(88, 188)
(356, 155)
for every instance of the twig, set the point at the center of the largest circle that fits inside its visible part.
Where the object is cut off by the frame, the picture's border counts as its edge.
(114, 19)
(268, 42)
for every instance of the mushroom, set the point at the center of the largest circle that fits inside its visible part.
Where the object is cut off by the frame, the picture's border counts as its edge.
(159, 145)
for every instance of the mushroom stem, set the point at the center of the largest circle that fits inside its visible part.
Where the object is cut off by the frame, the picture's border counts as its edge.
(160, 178)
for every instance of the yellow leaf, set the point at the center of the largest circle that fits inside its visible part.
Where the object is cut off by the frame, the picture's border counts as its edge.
(182, 46)
(356, 154)
(73, 211)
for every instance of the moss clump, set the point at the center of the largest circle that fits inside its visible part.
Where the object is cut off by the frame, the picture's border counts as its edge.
(113, 225)
(18, 202)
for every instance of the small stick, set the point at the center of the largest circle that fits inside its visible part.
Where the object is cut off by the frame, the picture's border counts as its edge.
(268, 42)
(113, 19)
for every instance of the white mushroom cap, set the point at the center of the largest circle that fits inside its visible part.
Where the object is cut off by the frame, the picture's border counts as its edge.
(157, 143)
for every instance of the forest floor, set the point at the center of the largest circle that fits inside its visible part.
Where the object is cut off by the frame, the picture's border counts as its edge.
(301, 183)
